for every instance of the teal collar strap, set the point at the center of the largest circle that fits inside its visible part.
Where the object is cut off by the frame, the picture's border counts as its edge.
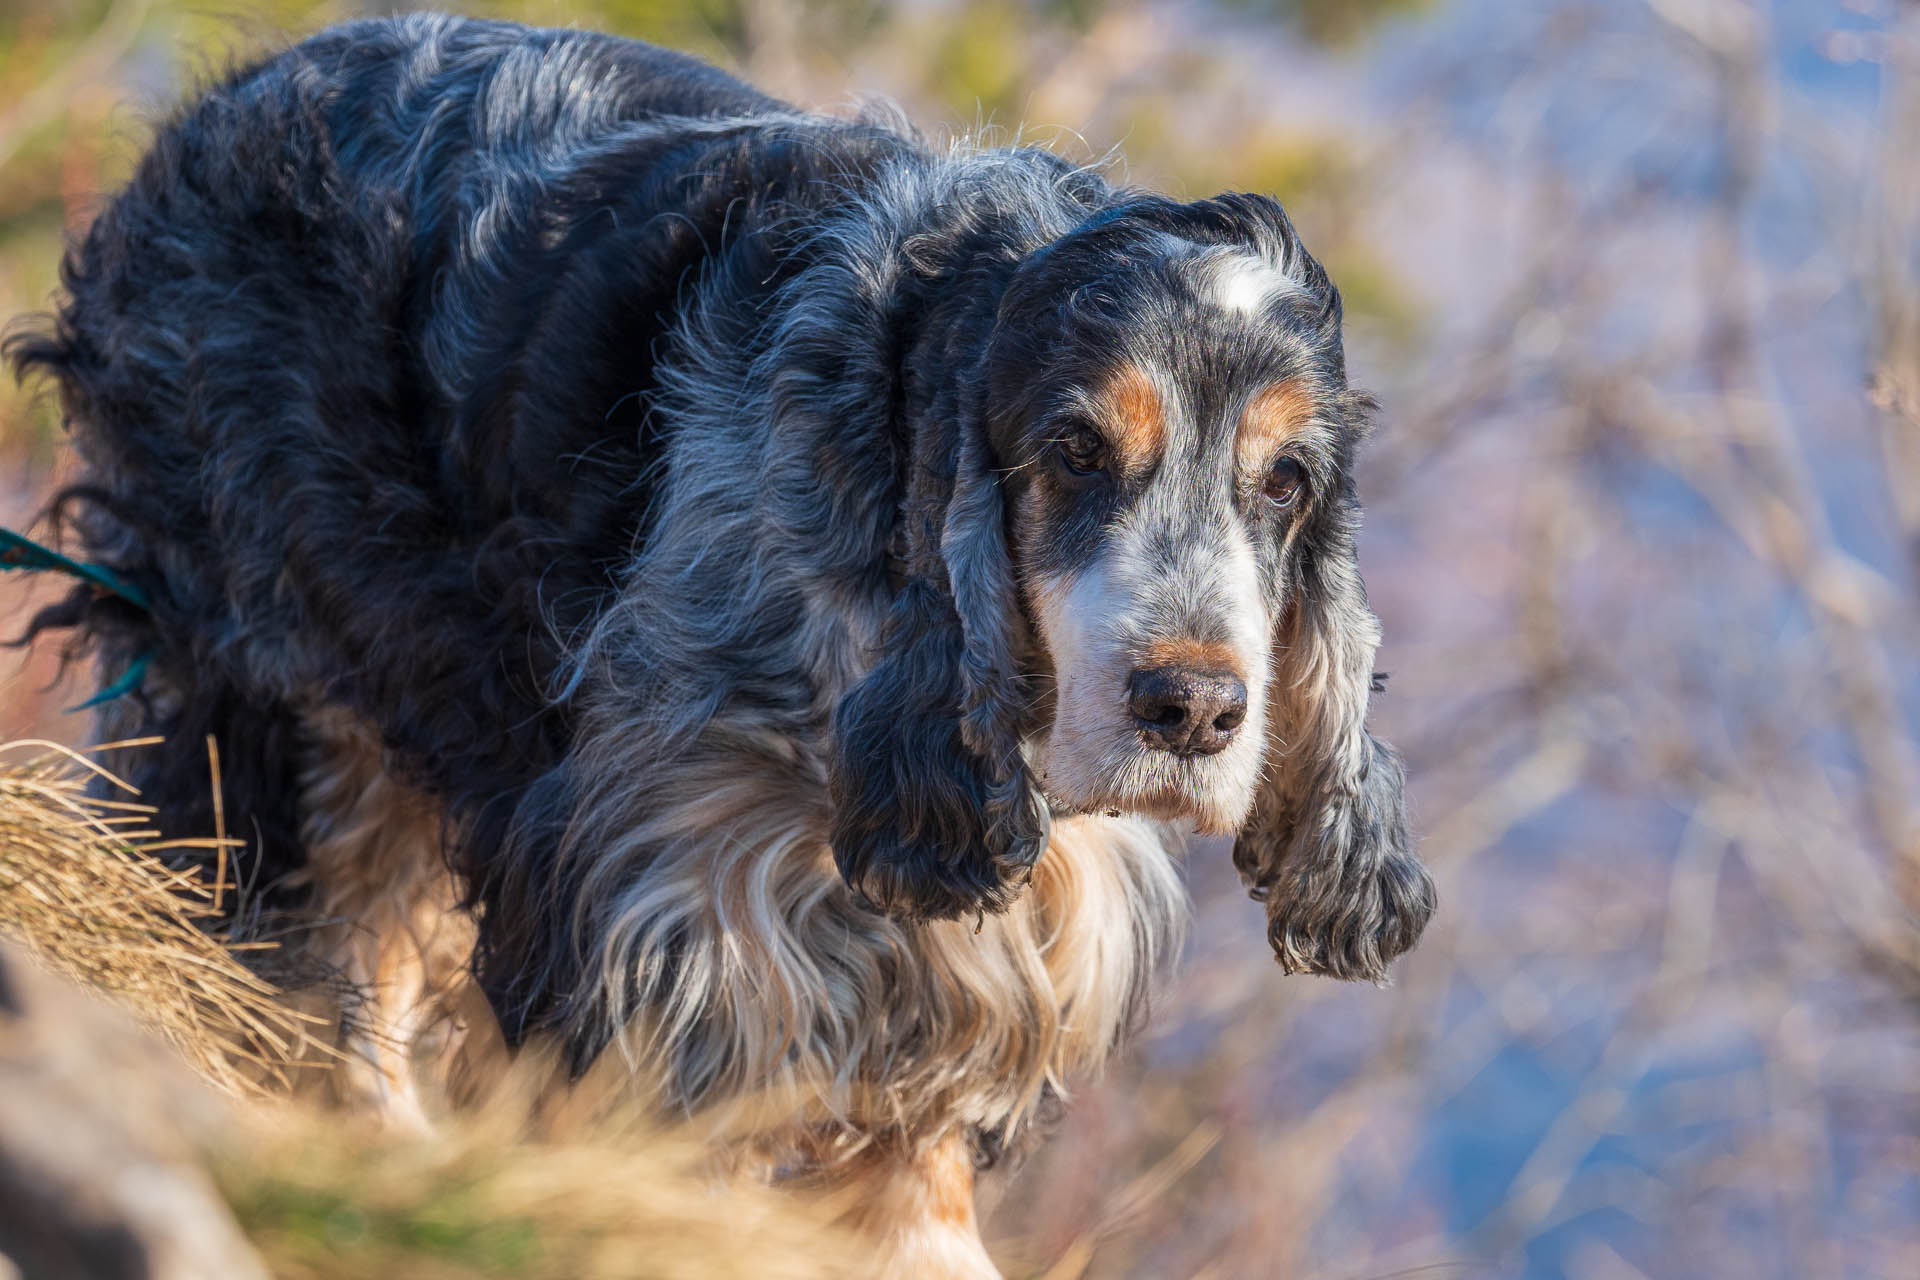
(19, 552)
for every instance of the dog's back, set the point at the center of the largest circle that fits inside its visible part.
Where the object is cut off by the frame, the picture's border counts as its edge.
(360, 365)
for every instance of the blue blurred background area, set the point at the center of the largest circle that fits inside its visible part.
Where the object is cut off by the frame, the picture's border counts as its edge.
(1637, 283)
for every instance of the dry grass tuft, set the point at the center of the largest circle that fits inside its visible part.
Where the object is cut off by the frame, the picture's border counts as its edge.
(85, 888)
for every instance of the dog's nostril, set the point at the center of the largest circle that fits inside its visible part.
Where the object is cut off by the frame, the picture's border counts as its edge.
(1185, 711)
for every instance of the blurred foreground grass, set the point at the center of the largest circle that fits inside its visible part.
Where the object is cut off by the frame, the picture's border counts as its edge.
(461, 1204)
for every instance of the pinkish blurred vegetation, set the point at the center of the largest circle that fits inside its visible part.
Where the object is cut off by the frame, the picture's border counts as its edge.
(1638, 283)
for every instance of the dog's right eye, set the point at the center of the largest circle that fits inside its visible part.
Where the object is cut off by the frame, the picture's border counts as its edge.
(1082, 452)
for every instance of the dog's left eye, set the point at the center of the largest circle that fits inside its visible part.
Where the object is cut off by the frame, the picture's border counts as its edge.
(1286, 482)
(1082, 451)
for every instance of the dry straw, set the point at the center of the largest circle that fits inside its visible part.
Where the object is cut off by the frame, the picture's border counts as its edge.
(88, 887)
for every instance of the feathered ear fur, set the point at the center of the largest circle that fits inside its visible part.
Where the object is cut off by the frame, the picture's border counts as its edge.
(1326, 846)
(935, 814)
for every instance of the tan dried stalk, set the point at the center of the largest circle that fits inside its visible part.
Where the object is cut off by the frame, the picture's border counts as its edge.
(86, 888)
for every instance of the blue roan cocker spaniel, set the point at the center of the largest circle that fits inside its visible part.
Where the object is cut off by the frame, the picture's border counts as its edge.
(739, 586)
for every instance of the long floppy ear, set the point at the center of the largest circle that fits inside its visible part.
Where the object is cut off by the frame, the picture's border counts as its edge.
(1326, 846)
(935, 814)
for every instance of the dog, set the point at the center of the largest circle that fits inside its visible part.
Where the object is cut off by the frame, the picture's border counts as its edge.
(761, 597)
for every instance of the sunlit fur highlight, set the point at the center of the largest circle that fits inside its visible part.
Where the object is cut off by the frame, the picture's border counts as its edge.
(1246, 283)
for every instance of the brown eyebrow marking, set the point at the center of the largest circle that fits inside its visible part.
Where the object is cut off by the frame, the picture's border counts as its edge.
(1277, 413)
(1135, 418)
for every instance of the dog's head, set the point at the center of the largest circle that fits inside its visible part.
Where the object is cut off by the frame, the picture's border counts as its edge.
(1143, 595)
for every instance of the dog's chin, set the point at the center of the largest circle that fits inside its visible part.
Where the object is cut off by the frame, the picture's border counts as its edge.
(1170, 806)
(1122, 775)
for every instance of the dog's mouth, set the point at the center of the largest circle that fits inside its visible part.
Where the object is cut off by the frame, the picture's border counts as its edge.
(1124, 771)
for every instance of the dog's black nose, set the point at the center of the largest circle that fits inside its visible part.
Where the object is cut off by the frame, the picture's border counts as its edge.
(1187, 712)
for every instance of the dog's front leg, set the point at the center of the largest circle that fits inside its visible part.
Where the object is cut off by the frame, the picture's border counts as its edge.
(916, 1203)
(385, 918)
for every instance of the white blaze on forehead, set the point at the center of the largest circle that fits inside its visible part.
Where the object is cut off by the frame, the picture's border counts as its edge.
(1245, 284)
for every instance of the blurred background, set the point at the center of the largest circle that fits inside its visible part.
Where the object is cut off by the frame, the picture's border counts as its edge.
(1638, 284)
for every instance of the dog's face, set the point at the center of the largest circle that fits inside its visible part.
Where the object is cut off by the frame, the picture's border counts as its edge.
(1150, 464)
(1171, 419)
